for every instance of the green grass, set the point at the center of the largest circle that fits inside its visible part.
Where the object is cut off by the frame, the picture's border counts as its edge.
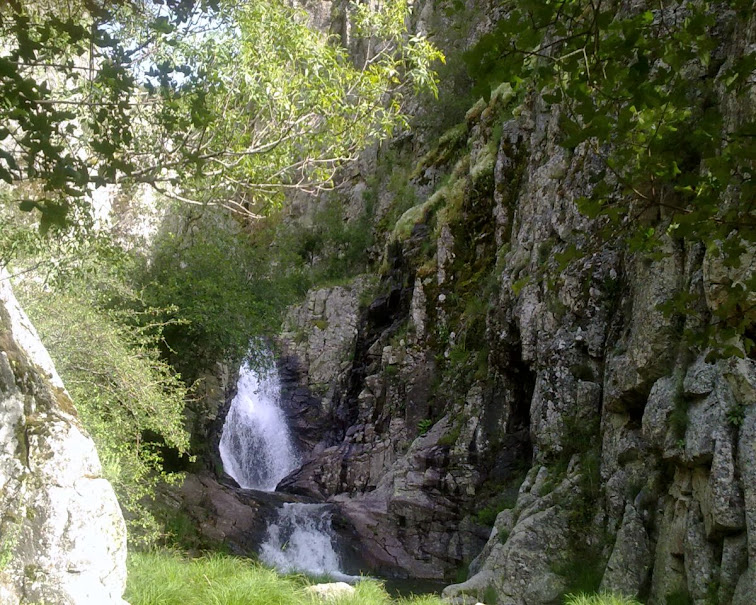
(487, 515)
(170, 578)
(598, 599)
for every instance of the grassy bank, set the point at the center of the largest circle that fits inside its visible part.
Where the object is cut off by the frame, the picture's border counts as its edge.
(603, 599)
(169, 578)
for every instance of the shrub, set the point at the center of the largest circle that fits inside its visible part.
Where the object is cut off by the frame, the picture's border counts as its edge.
(678, 419)
(487, 515)
(129, 399)
(424, 426)
(331, 248)
(220, 286)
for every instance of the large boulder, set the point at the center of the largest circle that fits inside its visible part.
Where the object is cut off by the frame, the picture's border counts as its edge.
(62, 535)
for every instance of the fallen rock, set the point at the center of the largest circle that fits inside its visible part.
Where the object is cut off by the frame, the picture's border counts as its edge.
(330, 591)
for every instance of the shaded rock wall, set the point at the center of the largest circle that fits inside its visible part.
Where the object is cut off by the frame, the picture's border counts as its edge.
(62, 535)
(545, 430)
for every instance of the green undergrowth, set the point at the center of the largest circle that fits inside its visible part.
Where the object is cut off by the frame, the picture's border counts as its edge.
(599, 599)
(106, 347)
(171, 578)
(496, 496)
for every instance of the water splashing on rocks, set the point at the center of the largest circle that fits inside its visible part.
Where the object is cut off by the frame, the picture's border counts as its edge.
(256, 446)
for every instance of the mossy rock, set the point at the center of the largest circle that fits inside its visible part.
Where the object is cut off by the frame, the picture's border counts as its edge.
(483, 171)
(445, 149)
(417, 215)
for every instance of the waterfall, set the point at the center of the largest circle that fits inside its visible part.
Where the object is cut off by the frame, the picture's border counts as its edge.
(257, 451)
(302, 539)
(255, 444)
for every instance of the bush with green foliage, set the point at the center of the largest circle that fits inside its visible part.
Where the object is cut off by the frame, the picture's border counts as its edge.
(330, 248)
(127, 396)
(219, 287)
(506, 500)
(224, 284)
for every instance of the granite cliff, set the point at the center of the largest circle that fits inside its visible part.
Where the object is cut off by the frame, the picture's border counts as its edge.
(484, 418)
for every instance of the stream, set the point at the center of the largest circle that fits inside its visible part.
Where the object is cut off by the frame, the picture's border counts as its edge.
(257, 451)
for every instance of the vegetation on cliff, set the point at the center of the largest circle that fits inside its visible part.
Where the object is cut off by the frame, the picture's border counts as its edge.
(221, 106)
(639, 87)
(106, 346)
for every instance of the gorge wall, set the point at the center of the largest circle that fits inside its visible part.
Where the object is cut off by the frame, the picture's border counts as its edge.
(62, 535)
(481, 417)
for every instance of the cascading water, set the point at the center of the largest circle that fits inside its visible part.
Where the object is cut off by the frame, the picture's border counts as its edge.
(257, 451)
(255, 444)
(302, 539)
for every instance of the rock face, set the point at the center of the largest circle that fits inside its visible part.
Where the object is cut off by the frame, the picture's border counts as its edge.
(62, 535)
(224, 515)
(545, 431)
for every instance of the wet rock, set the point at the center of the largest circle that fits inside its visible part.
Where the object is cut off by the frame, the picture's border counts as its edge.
(226, 516)
(218, 513)
(309, 422)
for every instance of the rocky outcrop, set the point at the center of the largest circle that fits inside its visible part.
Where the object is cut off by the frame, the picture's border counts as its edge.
(481, 406)
(321, 334)
(207, 514)
(221, 514)
(62, 535)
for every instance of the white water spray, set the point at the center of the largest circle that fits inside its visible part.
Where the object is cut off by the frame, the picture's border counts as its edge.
(257, 451)
(255, 444)
(302, 539)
